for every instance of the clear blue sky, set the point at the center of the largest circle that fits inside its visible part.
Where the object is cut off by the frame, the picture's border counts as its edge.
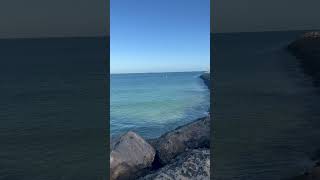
(159, 35)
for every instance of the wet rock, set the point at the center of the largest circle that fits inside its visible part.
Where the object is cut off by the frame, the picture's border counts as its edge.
(191, 136)
(130, 156)
(192, 165)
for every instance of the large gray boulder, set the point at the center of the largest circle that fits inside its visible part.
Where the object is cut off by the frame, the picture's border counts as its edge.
(130, 156)
(192, 165)
(190, 136)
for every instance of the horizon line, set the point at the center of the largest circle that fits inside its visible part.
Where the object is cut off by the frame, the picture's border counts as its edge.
(108, 35)
(157, 72)
(54, 37)
(235, 32)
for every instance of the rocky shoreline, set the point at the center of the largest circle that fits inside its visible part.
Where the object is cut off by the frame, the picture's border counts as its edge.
(307, 50)
(183, 153)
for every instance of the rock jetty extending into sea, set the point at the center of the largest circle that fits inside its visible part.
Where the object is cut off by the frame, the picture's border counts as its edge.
(307, 50)
(206, 78)
(183, 153)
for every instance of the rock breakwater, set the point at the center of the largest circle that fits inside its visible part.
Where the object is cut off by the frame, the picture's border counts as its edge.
(307, 50)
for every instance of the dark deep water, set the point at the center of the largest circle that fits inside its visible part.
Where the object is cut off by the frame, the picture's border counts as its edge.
(52, 114)
(267, 110)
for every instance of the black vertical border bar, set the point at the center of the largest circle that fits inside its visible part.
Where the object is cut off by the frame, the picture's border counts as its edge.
(212, 93)
(107, 91)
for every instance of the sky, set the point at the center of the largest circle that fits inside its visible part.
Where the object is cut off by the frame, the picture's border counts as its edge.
(264, 15)
(159, 35)
(53, 18)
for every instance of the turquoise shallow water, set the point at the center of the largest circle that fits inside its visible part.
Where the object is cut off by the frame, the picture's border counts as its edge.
(154, 103)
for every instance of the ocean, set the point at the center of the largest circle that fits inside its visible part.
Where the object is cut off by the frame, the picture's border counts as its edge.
(151, 104)
(266, 111)
(52, 109)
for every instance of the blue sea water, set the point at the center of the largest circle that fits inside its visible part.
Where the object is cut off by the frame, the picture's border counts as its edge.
(154, 103)
(52, 109)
